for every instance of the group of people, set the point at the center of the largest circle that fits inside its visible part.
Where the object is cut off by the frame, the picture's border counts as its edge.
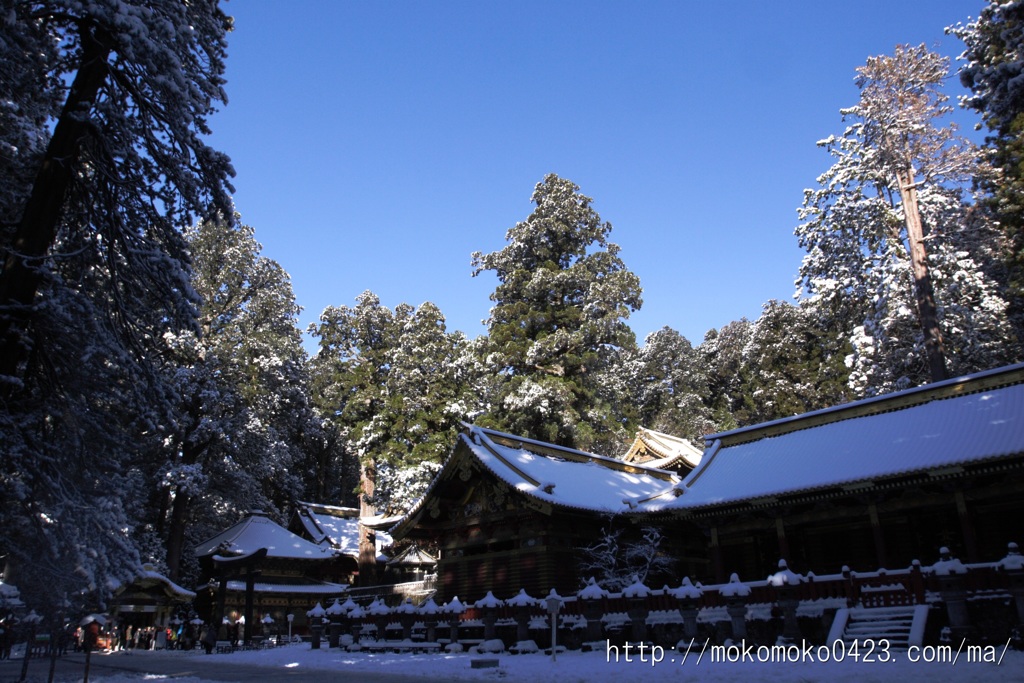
(176, 637)
(91, 635)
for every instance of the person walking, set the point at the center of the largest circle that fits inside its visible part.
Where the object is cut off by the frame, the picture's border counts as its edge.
(209, 638)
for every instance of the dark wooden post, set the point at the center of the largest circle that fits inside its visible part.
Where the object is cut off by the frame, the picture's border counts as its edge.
(878, 535)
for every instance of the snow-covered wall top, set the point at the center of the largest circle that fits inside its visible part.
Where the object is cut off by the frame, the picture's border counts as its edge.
(940, 433)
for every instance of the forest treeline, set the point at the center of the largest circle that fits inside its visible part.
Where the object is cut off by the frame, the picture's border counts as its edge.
(154, 384)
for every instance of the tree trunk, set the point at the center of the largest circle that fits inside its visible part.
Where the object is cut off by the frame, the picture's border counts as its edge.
(176, 535)
(37, 230)
(367, 537)
(923, 290)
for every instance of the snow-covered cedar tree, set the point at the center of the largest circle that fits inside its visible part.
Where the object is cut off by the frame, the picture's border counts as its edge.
(620, 557)
(399, 488)
(242, 414)
(898, 183)
(666, 380)
(114, 146)
(721, 353)
(794, 362)
(993, 70)
(559, 318)
(103, 163)
(395, 384)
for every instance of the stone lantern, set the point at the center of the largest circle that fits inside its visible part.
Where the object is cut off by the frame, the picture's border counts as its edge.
(489, 606)
(406, 617)
(431, 615)
(316, 624)
(787, 590)
(335, 613)
(736, 595)
(1013, 566)
(592, 600)
(268, 622)
(636, 595)
(454, 610)
(346, 608)
(380, 614)
(951, 575)
(521, 605)
(688, 596)
(356, 619)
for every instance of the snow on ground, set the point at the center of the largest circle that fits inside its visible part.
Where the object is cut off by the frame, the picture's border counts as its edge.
(584, 667)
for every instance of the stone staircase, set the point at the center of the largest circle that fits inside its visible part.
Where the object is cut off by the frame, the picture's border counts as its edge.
(900, 626)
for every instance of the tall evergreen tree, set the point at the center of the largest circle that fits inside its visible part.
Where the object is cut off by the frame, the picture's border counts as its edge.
(127, 87)
(394, 382)
(898, 180)
(994, 72)
(722, 352)
(103, 163)
(794, 362)
(559, 317)
(668, 383)
(244, 414)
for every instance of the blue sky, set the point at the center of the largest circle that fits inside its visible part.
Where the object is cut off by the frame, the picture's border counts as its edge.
(378, 144)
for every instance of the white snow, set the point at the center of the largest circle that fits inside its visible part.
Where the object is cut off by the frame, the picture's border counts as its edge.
(734, 588)
(687, 590)
(1013, 561)
(489, 601)
(785, 576)
(521, 599)
(592, 591)
(585, 667)
(149, 574)
(637, 589)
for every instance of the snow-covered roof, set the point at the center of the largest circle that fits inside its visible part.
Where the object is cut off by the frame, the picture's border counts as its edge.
(10, 596)
(259, 531)
(150, 577)
(335, 526)
(558, 476)
(413, 555)
(933, 430)
(663, 451)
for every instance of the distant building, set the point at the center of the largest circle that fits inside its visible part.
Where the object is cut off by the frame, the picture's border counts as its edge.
(663, 451)
(336, 527)
(151, 599)
(288, 574)
(411, 564)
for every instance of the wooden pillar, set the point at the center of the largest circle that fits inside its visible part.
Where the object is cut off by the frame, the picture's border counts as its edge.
(222, 601)
(250, 589)
(780, 531)
(966, 527)
(716, 556)
(878, 535)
